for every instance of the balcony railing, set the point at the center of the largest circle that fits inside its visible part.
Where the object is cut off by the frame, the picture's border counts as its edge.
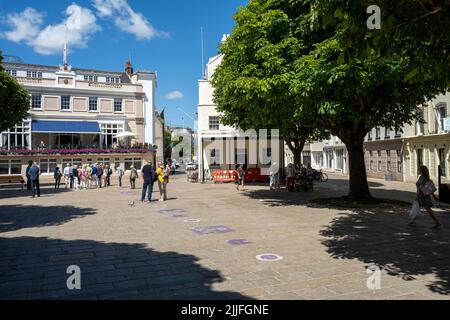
(78, 151)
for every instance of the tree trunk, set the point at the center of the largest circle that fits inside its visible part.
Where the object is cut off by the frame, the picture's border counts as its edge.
(296, 146)
(359, 188)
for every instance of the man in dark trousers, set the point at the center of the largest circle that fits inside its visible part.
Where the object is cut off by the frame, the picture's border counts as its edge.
(34, 177)
(30, 164)
(149, 176)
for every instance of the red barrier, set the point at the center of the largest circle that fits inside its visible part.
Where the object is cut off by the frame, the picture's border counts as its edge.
(251, 175)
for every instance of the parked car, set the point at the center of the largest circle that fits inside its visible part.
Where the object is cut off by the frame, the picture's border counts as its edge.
(191, 166)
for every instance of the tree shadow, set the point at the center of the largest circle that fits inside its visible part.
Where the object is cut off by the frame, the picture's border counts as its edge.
(7, 193)
(323, 190)
(379, 234)
(35, 268)
(15, 217)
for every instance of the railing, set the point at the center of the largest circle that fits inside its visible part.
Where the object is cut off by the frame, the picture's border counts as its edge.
(45, 151)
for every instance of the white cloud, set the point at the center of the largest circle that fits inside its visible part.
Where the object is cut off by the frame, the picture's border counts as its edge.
(81, 25)
(174, 95)
(25, 25)
(126, 19)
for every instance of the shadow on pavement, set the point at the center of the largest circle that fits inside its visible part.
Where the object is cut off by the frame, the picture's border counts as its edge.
(6, 193)
(35, 268)
(15, 217)
(380, 235)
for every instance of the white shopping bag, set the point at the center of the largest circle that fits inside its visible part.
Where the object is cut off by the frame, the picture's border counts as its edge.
(415, 210)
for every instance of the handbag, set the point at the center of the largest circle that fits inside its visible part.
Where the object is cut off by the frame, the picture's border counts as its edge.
(428, 188)
(415, 210)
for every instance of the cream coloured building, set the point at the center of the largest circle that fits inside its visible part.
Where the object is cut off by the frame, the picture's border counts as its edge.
(81, 115)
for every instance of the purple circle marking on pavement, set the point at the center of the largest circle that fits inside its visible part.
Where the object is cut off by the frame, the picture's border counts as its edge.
(172, 211)
(238, 242)
(179, 216)
(192, 220)
(269, 257)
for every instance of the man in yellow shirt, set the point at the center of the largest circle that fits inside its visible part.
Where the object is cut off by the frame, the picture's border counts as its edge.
(163, 179)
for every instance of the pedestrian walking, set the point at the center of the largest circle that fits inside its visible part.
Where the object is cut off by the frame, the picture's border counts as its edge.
(34, 173)
(133, 177)
(120, 173)
(426, 190)
(108, 175)
(30, 164)
(149, 176)
(100, 175)
(163, 179)
(274, 173)
(240, 173)
(94, 175)
(57, 174)
(75, 177)
(66, 173)
(290, 177)
(89, 179)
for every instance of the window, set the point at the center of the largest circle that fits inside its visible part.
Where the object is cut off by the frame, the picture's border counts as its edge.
(371, 160)
(104, 160)
(12, 73)
(214, 159)
(419, 158)
(109, 131)
(18, 137)
(369, 135)
(388, 160)
(36, 101)
(377, 133)
(387, 133)
(340, 159)
(441, 110)
(117, 105)
(10, 167)
(420, 125)
(90, 78)
(113, 80)
(329, 158)
(399, 161)
(34, 74)
(47, 166)
(441, 154)
(398, 133)
(379, 160)
(213, 123)
(135, 162)
(241, 156)
(65, 103)
(93, 103)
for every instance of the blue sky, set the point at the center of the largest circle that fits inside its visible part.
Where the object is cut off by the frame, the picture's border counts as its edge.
(162, 35)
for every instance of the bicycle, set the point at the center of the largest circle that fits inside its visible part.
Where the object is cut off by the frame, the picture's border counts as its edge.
(320, 176)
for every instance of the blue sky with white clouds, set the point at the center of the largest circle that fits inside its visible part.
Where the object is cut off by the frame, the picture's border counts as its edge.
(162, 35)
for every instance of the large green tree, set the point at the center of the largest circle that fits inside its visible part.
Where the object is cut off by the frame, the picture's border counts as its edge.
(256, 68)
(14, 100)
(325, 73)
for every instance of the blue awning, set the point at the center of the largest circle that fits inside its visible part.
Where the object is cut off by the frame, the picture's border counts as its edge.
(46, 126)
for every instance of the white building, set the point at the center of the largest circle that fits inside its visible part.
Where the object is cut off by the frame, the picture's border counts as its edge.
(220, 146)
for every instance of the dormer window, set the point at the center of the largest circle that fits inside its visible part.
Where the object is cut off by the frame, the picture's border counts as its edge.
(113, 80)
(12, 73)
(34, 74)
(90, 78)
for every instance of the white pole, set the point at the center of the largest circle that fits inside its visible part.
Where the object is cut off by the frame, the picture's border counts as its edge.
(203, 56)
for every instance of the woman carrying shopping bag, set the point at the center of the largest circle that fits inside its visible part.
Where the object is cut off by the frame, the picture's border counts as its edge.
(425, 189)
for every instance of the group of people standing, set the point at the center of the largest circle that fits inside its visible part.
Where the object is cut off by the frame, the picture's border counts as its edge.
(98, 175)
(88, 176)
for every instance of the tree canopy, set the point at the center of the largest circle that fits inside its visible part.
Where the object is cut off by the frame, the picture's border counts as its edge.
(289, 58)
(14, 100)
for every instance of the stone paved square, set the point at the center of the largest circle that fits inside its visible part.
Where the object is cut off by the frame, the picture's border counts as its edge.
(132, 252)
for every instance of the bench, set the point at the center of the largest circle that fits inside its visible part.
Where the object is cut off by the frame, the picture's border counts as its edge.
(8, 179)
